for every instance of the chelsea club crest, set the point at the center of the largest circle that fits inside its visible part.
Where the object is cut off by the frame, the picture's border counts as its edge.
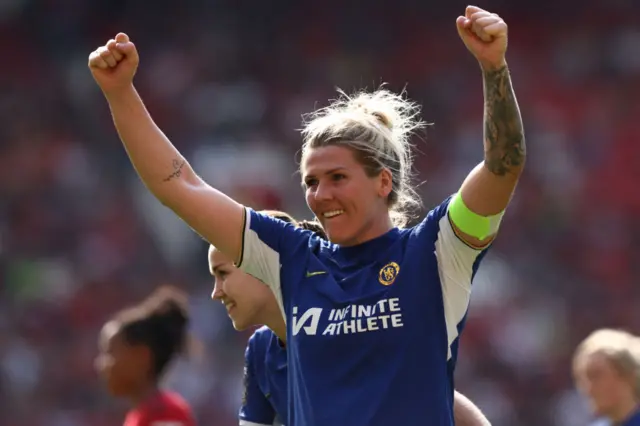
(388, 273)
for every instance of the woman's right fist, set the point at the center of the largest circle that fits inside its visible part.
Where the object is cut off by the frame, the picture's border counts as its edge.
(114, 64)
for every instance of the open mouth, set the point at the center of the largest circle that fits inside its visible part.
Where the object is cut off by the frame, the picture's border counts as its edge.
(332, 214)
(230, 306)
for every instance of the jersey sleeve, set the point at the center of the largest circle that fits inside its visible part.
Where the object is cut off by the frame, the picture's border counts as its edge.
(269, 244)
(164, 409)
(255, 409)
(457, 264)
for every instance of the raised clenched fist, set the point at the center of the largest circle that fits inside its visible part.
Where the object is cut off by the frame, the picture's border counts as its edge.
(485, 35)
(114, 64)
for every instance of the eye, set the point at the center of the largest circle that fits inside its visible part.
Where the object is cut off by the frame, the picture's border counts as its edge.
(310, 182)
(219, 274)
(337, 177)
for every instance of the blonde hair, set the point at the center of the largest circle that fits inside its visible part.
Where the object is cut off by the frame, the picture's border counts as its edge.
(621, 348)
(377, 127)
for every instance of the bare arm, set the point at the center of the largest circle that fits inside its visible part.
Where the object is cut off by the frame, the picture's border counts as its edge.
(466, 413)
(487, 190)
(168, 175)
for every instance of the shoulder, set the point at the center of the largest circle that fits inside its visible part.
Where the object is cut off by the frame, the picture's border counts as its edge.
(167, 409)
(433, 220)
(264, 233)
(260, 339)
(634, 420)
(262, 332)
(173, 399)
(258, 346)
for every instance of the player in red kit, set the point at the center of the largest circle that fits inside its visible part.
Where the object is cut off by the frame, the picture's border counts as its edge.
(136, 347)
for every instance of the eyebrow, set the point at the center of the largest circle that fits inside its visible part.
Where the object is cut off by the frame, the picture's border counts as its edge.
(328, 172)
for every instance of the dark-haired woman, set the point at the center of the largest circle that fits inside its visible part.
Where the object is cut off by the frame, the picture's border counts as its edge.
(136, 346)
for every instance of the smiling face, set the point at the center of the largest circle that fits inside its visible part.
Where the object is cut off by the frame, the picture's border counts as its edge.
(350, 204)
(123, 366)
(248, 301)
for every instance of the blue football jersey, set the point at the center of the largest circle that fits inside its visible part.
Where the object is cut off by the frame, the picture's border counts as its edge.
(265, 381)
(372, 330)
(633, 420)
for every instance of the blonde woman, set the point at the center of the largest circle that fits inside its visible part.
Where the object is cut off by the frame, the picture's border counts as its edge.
(249, 302)
(606, 368)
(374, 314)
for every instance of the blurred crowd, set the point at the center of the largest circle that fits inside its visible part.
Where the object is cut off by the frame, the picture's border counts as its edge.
(80, 238)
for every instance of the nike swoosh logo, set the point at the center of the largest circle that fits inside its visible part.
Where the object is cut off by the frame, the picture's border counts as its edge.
(313, 274)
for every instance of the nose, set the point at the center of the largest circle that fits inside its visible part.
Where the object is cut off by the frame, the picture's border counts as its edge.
(323, 192)
(217, 292)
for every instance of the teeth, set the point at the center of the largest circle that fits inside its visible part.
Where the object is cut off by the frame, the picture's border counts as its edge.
(333, 213)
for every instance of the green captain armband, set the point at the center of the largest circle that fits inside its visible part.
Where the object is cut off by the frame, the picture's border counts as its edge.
(472, 223)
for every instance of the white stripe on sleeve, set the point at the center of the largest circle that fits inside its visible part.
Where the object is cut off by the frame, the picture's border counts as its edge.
(261, 261)
(455, 267)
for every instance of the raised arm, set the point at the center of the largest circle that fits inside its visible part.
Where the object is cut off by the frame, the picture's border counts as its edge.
(484, 195)
(466, 413)
(167, 174)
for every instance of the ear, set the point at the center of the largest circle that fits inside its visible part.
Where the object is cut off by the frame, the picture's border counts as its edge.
(142, 356)
(385, 183)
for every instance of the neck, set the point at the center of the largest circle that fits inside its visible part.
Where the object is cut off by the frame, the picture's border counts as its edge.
(275, 322)
(623, 411)
(370, 231)
(144, 393)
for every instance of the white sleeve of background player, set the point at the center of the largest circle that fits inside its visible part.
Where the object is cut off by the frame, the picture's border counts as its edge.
(266, 242)
(455, 266)
(259, 258)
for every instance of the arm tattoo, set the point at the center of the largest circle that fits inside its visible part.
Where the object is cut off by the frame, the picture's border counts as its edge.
(177, 170)
(504, 142)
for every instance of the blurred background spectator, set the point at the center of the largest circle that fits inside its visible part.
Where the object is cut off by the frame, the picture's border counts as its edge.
(228, 80)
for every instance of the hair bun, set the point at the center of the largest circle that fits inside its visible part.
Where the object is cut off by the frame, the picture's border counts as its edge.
(172, 310)
(383, 119)
(378, 126)
(171, 303)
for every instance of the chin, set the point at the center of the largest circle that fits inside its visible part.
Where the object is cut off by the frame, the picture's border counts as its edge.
(598, 409)
(240, 325)
(335, 234)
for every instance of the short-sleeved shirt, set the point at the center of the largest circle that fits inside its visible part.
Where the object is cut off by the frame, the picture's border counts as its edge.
(372, 329)
(161, 409)
(632, 420)
(264, 402)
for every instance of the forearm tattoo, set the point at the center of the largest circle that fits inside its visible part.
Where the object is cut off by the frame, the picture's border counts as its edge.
(177, 170)
(504, 141)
